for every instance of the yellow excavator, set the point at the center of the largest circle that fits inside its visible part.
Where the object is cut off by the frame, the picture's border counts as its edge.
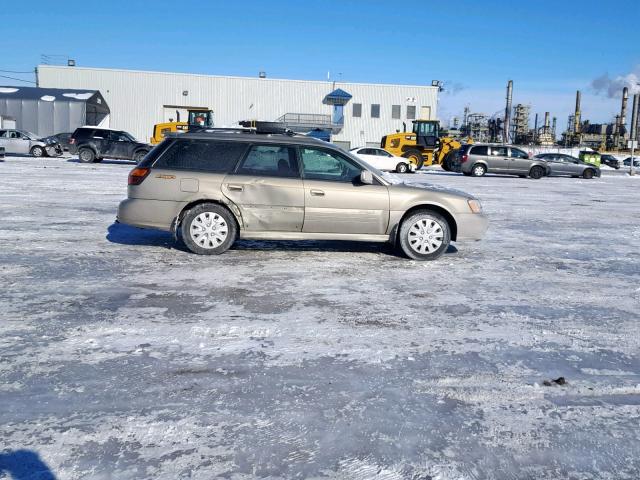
(201, 117)
(422, 146)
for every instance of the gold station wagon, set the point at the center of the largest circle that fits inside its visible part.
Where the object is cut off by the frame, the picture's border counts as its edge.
(215, 186)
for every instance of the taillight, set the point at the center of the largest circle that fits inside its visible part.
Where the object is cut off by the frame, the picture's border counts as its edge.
(465, 157)
(137, 175)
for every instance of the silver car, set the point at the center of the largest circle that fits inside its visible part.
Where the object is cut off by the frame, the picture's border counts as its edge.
(22, 142)
(480, 158)
(212, 188)
(561, 164)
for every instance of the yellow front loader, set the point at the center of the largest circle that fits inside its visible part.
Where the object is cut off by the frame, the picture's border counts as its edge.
(422, 146)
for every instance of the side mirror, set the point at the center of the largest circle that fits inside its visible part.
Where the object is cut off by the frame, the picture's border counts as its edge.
(366, 178)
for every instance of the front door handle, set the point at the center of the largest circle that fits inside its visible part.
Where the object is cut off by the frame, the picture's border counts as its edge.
(317, 193)
(235, 188)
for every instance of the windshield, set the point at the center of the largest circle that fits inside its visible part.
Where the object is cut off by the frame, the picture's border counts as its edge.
(426, 129)
(201, 118)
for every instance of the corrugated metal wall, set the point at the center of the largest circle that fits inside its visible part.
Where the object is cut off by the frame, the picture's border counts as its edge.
(137, 98)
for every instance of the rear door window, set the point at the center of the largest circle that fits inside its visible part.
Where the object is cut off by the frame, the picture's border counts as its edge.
(201, 155)
(480, 150)
(270, 161)
(499, 151)
(517, 153)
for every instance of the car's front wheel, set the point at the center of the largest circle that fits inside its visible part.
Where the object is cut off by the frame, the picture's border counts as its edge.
(138, 156)
(402, 167)
(209, 229)
(424, 235)
(37, 151)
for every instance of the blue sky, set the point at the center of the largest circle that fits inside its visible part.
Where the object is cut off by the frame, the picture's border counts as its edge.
(548, 48)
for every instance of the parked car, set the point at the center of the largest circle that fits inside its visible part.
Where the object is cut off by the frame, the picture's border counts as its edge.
(63, 139)
(215, 187)
(627, 162)
(610, 161)
(383, 160)
(480, 158)
(23, 142)
(93, 144)
(563, 164)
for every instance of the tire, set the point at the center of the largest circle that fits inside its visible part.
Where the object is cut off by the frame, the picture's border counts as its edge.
(536, 172)
(414, 156)
(86, 155)
(208, 229)
(37, 151)
(478, 170)
(139, 155)
(587, 174)
(402, 168)
(424, 224)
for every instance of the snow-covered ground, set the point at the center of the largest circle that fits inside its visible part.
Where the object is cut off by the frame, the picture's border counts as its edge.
(124, 357)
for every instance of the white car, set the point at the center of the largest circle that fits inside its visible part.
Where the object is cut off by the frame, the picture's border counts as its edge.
(383, 160)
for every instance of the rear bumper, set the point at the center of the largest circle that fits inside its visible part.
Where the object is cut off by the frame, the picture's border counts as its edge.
(148, 213)
(471, 226)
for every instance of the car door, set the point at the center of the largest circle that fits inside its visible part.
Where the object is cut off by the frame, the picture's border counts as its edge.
(4, 140)
(498, 159)
(572, 165)
(369, 156)
(519, 163)
(116, 145)
(18, 143)
(334, 199)
(385, 160)
(267, 188)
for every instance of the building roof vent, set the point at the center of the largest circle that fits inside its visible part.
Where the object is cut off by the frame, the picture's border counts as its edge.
(262, 74)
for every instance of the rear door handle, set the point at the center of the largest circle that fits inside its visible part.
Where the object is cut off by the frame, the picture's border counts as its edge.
(235, 188)
(317, 193)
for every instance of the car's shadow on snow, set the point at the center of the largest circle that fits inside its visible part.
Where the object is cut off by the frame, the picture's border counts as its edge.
(105, 162)
(127, 235)
(24, 465)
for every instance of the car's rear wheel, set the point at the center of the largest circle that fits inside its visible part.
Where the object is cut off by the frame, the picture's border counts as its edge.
(414, 156)
(402, 167)
(478, 170)
(587, 174)
(208, 229)
(424, 235)
(37, 151)
(536, 172)
(86, 155)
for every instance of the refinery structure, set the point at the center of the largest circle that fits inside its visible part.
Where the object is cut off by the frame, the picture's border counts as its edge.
(514, 125)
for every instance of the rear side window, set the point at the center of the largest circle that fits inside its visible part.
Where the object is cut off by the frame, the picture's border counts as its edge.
(201, 155)
(516, 153)
(480, 150)
(270, 161)
(82, 133)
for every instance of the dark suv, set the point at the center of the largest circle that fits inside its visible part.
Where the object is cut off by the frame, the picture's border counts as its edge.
(92, 144)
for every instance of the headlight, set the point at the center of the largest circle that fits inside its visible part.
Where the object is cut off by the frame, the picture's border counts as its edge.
(475, 205)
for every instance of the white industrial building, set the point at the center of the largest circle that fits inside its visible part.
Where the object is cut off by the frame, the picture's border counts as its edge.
(356, 114)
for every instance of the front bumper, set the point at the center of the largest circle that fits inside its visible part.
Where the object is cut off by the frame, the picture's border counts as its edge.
(471, 226)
